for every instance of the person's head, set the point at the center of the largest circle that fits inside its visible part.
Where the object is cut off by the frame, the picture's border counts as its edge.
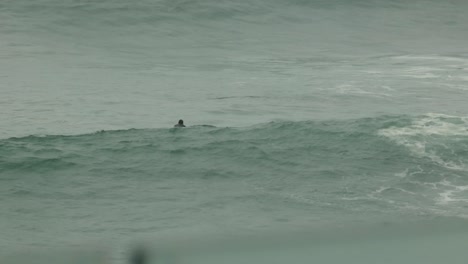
(181, 122)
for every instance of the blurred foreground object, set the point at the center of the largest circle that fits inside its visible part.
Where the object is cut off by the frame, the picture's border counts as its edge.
(432, 242)
(435, 242)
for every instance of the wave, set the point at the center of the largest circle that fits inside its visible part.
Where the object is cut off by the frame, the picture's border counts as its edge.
(176, 34)
(127, 17)
(440, 138)
(433, 134)
(415, 163)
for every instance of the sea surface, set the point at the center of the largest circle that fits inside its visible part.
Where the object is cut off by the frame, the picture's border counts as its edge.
(302, 116)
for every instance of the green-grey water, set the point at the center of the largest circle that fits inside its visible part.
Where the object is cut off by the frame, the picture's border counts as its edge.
(301, 116)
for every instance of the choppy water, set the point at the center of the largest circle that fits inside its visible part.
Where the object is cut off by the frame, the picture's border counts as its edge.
(300, 114)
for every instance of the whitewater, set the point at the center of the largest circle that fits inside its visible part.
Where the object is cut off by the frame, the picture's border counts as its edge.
(309, 123)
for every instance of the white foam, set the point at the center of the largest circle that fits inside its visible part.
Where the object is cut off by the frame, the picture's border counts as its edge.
(354, 90)
(431, 124)
(426, 75)
(452, 194)
(402, 174)
(429, 58)
(415, 135)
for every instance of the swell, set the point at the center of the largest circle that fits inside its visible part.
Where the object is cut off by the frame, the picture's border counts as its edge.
(404, 163)
(154, 13)
(127, 31)
(433, 140)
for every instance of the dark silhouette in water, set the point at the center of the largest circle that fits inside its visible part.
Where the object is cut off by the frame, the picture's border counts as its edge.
(180, 124)
(139, 256)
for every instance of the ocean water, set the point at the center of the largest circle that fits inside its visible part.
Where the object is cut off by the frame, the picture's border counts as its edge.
(301, 115)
